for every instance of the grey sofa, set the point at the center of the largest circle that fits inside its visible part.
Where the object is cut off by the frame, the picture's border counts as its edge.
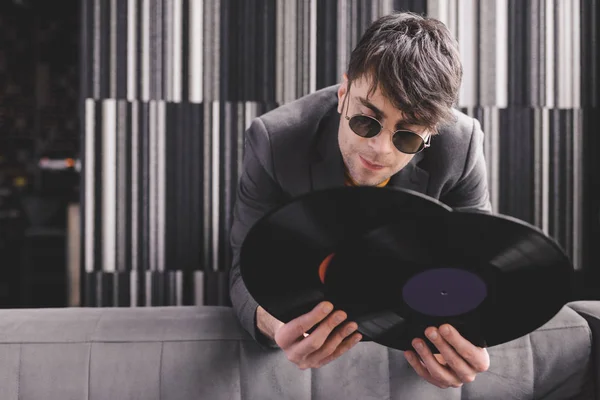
(184, 353)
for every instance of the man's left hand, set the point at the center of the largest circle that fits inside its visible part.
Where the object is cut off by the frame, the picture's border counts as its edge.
(459, 360)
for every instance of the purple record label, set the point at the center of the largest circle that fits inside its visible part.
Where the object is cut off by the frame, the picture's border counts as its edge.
(443, 292)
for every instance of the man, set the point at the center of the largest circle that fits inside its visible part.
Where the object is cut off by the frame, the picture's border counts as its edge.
(390, 122)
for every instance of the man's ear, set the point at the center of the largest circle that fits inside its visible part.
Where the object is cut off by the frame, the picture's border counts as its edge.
(342, 90)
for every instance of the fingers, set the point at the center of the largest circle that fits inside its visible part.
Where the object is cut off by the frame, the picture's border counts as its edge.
(438, 372)
(333, 344)
(293, 331)
(477, 357)
(415, 362)
(316, 340)
(329, 340)
(459, 360)
(440, 359)
(314, 343)
(451, 358)
(348, 343)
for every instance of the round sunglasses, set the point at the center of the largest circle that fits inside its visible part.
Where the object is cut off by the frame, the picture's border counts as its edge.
(406, 141)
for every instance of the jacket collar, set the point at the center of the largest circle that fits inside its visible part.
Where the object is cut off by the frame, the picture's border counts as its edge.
(327, 166)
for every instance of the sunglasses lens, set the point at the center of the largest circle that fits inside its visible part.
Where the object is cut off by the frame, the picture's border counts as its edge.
(408, 142)
(364, 126)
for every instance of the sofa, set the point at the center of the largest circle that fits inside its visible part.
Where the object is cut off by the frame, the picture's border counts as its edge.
(185, 353)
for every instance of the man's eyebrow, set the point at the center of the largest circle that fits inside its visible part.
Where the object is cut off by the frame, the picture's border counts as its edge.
(379, 113)
(370, 105)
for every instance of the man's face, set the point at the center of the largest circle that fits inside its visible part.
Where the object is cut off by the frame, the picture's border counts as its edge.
(371, 161)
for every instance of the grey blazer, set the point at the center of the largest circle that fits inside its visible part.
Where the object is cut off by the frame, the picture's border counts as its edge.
(293, 149)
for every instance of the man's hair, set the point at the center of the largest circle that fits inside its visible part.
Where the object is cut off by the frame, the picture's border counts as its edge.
(414, 60)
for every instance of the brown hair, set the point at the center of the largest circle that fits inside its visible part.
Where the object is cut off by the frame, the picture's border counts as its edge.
(414, 60)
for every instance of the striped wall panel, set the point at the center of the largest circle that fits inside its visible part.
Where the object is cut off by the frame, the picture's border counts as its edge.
(169, 86)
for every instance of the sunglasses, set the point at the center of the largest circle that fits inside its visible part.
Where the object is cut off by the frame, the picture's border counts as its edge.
(404, 140)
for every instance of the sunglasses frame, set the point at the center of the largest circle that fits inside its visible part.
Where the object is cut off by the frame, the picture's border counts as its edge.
(425, 142)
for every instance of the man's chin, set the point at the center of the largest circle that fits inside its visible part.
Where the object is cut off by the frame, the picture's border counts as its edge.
(364, 177)
(368, 181)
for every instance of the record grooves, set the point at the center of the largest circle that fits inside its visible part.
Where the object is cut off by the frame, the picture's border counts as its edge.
(397, 261)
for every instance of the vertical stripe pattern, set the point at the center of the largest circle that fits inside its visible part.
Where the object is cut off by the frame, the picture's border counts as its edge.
(170, 86)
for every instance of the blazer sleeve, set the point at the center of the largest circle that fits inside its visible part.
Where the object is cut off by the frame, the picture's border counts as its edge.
(257, 193)
(471, 192)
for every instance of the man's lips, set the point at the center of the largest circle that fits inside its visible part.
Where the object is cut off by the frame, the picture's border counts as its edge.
(370, 165)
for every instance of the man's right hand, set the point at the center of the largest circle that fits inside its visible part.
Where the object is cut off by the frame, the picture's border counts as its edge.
(329, 340)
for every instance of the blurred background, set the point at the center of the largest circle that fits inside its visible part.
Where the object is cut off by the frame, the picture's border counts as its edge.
(121, 130)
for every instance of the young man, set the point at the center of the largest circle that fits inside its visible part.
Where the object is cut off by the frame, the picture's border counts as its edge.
(390, 122)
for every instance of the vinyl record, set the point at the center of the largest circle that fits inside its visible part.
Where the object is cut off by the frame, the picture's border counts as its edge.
(281, 254)
(397, 262)
(494, 278)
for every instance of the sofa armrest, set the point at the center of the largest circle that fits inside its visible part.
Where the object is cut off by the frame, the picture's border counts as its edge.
(590, 311)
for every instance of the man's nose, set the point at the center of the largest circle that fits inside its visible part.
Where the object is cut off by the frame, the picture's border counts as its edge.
(382, 143)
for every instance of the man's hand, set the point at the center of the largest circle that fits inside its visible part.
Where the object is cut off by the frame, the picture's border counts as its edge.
(329, 340)
(459, 360)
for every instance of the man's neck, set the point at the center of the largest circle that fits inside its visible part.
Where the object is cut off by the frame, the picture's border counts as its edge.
(351, 182)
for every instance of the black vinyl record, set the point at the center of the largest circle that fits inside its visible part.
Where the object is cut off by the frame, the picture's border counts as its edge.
(397, 262)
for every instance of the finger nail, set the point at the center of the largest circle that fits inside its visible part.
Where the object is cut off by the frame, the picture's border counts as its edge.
(445, 330)
(339, 317)
(327, 308)
(419, 345)
(433, 335)
(408, 356)
(358, 338)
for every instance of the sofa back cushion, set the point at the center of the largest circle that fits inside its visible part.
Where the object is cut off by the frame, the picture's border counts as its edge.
(183, 353)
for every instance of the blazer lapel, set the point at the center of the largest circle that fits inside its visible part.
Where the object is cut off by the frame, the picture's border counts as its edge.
(411, 176)
(327, 166)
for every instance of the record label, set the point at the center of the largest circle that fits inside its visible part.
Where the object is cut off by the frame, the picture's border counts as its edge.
(444, 292)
